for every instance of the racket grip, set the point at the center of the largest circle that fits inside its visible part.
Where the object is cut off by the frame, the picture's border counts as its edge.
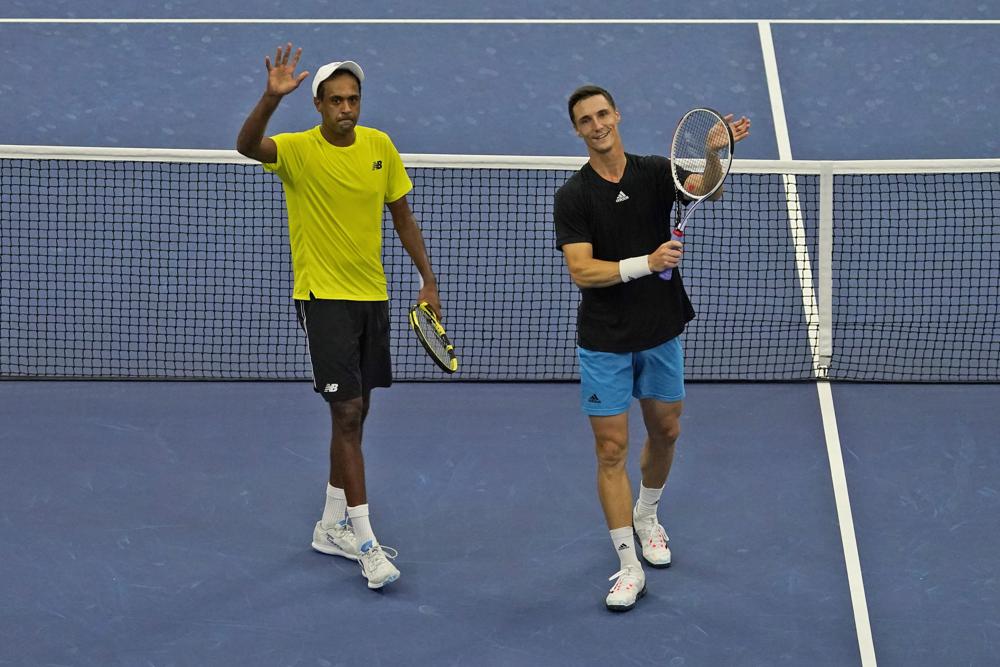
(667, 274)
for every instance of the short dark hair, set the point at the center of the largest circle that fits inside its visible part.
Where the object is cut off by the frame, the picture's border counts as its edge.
(319, 88)
(582, 93)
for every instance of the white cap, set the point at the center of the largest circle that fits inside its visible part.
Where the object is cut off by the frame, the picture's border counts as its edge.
(324, 72)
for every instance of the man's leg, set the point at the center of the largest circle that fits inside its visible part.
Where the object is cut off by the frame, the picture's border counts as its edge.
(346, 456)
(333, 534)
(615, 493)
(663, 428)
(605, 395)
(347, 464)
(613, 487)
(659, 386)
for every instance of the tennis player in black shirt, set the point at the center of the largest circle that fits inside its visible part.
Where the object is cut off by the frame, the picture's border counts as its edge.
(612, 224)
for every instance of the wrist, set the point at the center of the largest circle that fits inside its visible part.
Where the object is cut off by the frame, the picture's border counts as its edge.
(634, 267)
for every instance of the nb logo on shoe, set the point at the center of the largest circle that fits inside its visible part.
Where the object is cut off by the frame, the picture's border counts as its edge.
(621, 197)
(593, 399)
(331, 388)
(377, 164)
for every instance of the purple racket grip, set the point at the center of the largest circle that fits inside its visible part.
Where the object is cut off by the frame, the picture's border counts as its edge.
(667, 274)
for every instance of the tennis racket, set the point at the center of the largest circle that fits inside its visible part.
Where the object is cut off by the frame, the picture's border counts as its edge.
(431, 335)
(702, 145)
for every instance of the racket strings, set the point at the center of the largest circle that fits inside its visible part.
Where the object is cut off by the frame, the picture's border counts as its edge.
(694, 141)
(438, 344)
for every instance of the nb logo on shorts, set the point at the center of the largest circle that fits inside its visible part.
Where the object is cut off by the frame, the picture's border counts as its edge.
(593, 399)
(377, 164)
(330, 388)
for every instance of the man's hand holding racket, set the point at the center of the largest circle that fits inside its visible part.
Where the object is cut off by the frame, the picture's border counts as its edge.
(428, 293)
(666, 257)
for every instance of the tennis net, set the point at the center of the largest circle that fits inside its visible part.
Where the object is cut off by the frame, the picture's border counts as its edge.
(119, 263)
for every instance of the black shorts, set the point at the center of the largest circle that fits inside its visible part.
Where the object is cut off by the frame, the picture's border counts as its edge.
(348, 345)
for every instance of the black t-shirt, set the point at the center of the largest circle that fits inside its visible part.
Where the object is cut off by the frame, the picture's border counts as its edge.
(622, 220)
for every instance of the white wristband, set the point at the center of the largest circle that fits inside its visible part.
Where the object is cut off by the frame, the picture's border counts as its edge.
(634, 267)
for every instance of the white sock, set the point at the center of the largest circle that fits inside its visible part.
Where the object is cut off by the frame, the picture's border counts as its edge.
(648, 500)
(336, 505)
(622, 539)
(362, 526)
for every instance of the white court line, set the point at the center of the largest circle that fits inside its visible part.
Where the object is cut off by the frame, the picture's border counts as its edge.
(608, 21)
(845, 518)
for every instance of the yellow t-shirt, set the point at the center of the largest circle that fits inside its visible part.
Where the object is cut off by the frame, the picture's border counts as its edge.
(335, 198)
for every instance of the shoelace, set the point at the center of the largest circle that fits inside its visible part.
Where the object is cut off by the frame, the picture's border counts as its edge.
(620, 575)
(378, 555)
(657, 536)
(343, 529)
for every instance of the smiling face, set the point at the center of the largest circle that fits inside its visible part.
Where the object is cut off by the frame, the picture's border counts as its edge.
(339, 105)
(595, 119)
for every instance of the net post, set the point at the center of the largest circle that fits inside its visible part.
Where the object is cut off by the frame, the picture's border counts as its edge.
(824, 274)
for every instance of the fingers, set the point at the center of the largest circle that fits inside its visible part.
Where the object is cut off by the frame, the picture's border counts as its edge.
(435, 307)
(740, 128)
(283, 54)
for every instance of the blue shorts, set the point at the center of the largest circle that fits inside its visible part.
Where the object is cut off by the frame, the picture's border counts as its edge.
(609, 380)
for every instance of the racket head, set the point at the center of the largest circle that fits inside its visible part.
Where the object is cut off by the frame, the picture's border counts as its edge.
(690, 146)
(432, 336)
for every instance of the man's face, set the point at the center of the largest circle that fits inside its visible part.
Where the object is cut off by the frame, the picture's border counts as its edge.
(597, 123)
(340, 105)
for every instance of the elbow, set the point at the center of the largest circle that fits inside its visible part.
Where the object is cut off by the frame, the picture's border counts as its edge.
(579, 279)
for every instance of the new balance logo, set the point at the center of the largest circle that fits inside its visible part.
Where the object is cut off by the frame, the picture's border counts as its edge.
(623, 547)
(593, 399)
(330, 388)
(621, 197)
(377, 164)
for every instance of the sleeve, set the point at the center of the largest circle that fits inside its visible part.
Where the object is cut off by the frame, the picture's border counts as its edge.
(398, 182)
(289, 162)
(569, 217)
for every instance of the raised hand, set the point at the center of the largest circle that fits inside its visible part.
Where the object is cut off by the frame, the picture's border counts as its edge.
(718, 138)
(281, 77)
(739, 128)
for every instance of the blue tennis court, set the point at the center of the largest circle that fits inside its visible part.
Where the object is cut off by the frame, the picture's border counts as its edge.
(812, 523)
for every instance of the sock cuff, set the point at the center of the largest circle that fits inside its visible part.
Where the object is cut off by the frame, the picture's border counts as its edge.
(333, 492)
(357, 511)
(622, 534)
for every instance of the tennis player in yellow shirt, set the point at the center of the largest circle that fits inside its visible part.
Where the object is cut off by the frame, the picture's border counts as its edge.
(337, 178)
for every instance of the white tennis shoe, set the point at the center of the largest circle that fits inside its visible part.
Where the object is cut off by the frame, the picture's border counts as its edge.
(375, 565)
(652, 537)
(630, 585)
(336, 541)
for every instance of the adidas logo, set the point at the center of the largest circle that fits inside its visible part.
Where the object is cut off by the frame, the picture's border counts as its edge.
(621, 197)
(623, 547)
(593, 399)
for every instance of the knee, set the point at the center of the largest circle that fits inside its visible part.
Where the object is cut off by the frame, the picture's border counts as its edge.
(612, 453)
(347, 416)
(666, 432)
